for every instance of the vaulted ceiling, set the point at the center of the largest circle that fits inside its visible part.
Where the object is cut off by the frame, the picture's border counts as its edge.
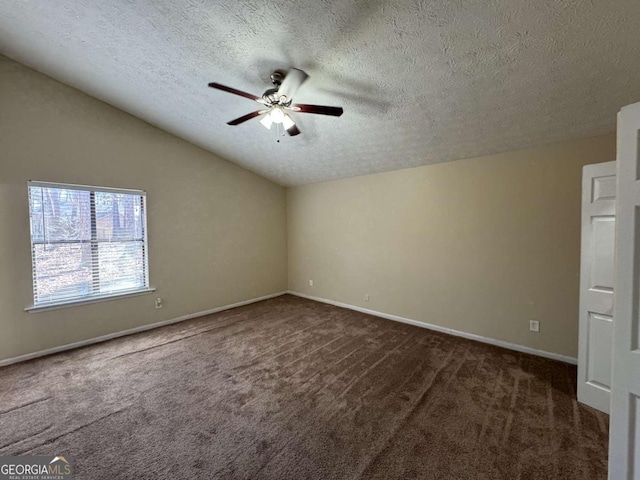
(420, 81)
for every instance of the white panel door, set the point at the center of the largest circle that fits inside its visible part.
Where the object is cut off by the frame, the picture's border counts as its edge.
(624, 440)
(597, 263)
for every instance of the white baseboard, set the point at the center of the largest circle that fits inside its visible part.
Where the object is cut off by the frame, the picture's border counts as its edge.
(437, 328)
(450, 331)
(142, 328)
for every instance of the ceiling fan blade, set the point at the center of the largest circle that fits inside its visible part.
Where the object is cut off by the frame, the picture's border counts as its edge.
(319, 109)
(292, 81)
(246, 117)
(224, 88)
(293, 131)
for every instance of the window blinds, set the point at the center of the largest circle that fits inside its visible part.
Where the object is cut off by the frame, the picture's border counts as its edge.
(86, 242)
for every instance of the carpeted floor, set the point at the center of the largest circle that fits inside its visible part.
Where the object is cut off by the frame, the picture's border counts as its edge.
(293, 389)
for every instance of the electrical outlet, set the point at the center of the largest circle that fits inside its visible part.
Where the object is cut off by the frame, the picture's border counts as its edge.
(158, 302)
(534, 325)
(366, 297)
(311, 283)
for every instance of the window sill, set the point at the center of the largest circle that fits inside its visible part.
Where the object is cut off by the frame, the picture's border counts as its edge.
(88, 300)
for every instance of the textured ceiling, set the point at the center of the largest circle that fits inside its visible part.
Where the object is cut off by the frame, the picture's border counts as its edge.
(420, 81)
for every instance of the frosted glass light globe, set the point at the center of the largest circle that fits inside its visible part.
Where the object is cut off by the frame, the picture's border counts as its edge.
(277, 115)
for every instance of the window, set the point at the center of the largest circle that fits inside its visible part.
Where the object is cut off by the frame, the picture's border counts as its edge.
(86, 243)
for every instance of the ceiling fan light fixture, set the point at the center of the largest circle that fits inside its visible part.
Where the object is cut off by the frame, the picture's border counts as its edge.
(267, 121)
(277, 115)
(287, 122)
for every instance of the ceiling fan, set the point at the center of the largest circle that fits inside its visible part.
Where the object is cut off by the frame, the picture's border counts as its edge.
(278, 101)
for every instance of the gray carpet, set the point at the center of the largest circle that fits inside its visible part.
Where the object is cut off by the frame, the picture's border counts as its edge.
(293, 389)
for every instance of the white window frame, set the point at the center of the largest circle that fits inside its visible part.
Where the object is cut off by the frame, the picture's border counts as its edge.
(92, 298)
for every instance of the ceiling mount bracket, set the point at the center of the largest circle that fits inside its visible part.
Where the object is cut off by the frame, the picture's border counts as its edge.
(277, 77)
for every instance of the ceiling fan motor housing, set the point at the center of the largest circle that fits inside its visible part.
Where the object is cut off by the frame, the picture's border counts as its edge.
(271, 95)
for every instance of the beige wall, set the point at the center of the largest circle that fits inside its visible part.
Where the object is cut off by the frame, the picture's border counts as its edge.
(480, 245)
(217, 233)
